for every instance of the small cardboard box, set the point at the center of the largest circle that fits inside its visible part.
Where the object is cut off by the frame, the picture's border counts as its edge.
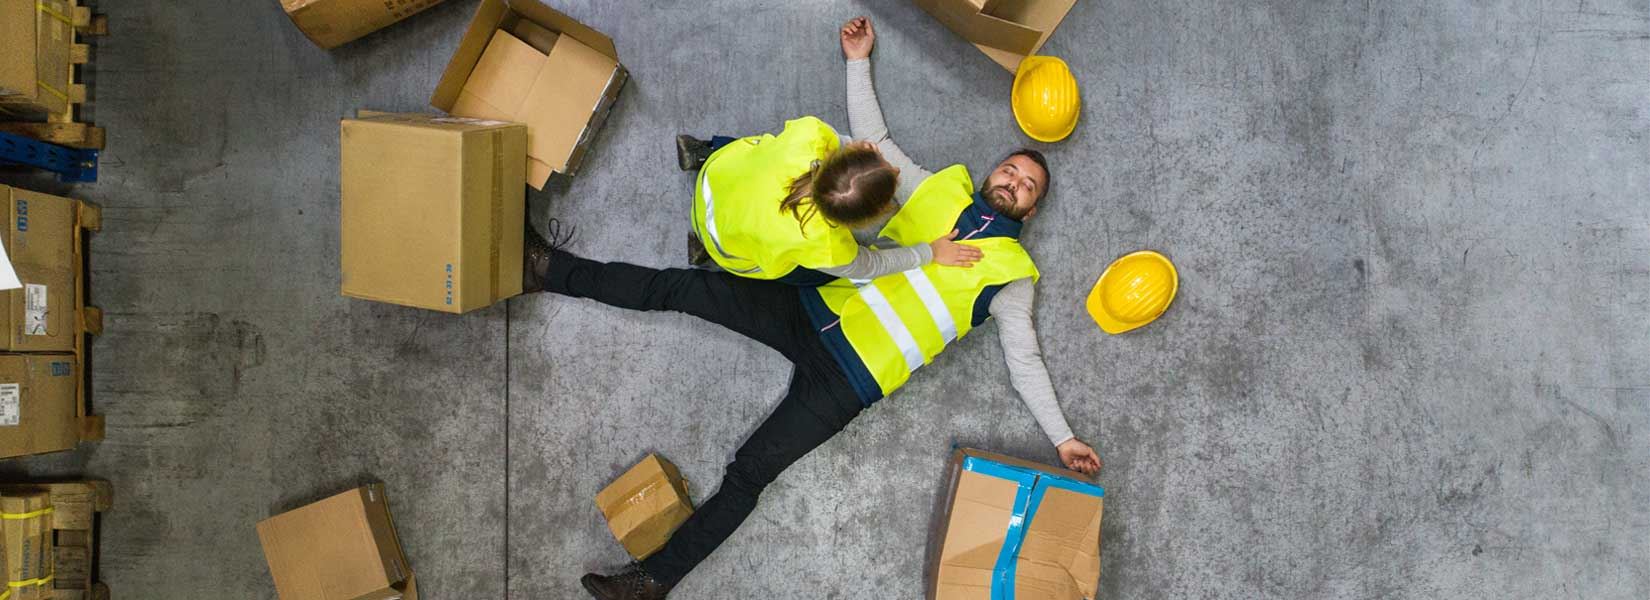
(38, 403)
(522, 61)
(645, 505)
(1007, 31)
(1015, 527)
(36, 40)
(432, 210)
(341, 548)
(333, 23)
(27, 530)
(40, 241)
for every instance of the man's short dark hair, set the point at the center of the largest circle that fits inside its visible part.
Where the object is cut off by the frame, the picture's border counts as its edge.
(1036, 157)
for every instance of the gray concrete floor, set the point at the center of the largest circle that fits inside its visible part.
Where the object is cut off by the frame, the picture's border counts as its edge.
(1410, 357)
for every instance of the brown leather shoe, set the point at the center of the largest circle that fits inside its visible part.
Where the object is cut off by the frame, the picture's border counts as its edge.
(630, 584)
(536, 252)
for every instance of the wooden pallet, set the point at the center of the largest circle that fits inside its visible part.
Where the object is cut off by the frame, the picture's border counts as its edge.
(88, 218)
(66, 127)
(75, 505)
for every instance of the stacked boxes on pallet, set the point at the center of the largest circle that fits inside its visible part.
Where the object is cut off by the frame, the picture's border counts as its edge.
(40, 58)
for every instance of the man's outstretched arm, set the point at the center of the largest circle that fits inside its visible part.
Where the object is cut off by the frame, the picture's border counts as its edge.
(865, 113)
(1016, 331)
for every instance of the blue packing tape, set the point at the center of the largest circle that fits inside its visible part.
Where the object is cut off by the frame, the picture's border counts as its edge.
(1033, 485)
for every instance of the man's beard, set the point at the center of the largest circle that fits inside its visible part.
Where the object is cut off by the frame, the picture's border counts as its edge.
(1002, 201)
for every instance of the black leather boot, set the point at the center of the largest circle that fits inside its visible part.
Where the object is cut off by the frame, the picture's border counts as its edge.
(536, 253)
(630, 584)
(691, 152)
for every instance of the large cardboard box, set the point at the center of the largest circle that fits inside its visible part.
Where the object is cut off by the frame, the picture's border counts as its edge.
(645, 505)
(1016, 527)
(522, 61)
(40, 239)
(341, 548)
(27, 547)
(1007, 31)
(433, 210)
(38, 403)
(36, 41)
(333, 23)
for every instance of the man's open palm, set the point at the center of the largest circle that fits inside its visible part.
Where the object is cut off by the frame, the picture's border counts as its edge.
(858, 37)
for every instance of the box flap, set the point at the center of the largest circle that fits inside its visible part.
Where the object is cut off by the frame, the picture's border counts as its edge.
(480, 33)
(967, 20)
(563, 99)
(549, 17)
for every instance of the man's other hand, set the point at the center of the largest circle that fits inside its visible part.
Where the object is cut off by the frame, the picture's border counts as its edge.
(1078, 456)
(858, 37)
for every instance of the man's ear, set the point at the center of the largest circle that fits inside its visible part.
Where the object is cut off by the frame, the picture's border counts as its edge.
(1030, 214)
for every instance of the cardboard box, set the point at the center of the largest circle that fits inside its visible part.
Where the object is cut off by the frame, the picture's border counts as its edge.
(36, 40)
(522, 61)
(645, 505)
(1007, 31)
(341, 548)
(38, 403)
(27, 530)
(1016, 527)
(433, 210)
(40, 240)
(333, 23)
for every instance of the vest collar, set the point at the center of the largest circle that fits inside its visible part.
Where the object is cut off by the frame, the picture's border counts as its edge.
(978, 220)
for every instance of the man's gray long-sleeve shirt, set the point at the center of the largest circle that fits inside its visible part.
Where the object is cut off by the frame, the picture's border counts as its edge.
(1012, 307)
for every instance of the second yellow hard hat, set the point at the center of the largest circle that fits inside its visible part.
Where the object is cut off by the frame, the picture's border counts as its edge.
(1133, 291)
(1045, 98)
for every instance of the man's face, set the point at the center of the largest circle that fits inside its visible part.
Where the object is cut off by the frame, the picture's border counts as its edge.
(1014, 187)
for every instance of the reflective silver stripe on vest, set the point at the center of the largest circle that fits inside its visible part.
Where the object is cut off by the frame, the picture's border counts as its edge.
(936, 305)
(893, 325)
(710, 227)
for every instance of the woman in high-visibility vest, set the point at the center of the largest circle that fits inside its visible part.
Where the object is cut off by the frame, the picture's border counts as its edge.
(784, 207)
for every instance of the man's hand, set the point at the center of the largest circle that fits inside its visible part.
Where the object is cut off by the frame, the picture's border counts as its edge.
(1078, 456)
(858, 36)
(951, 254)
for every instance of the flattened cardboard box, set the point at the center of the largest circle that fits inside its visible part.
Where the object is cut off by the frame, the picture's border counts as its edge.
(1015, 527)
(40, 240)
(523, 61)
(341, 548)
(1007, 31)
(27, 548)
(36, 39)
(432, 210)
(38, 404)
(645, 505)
(333, 23)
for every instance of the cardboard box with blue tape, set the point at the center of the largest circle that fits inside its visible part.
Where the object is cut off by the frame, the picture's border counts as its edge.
(1015, 529)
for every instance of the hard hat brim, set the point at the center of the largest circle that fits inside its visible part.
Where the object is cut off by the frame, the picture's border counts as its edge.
(1111, 324)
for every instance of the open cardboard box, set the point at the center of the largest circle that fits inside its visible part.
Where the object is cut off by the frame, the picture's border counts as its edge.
(1007, 31)
(525, 62)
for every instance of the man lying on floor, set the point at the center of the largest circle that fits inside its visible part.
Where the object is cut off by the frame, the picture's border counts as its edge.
(850, 344)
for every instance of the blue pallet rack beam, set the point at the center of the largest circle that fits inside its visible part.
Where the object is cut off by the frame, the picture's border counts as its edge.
(72, 165)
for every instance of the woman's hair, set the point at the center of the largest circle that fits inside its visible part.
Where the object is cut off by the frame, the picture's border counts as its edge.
(850, 187)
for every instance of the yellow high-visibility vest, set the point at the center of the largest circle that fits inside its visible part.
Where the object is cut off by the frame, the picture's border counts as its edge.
(899, 322)
(736, 205)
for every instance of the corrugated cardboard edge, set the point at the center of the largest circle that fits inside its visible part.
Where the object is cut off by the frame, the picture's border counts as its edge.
(409, 589)
(941, 520)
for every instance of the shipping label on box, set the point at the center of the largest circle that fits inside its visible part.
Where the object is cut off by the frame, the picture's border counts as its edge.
(644, 506)
(1016, 529)
(43, 248)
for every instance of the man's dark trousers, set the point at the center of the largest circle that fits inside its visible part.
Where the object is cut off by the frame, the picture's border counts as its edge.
(819, 403)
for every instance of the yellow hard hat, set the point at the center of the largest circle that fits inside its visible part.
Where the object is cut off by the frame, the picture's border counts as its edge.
(1046, 100)
(1133, 291)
